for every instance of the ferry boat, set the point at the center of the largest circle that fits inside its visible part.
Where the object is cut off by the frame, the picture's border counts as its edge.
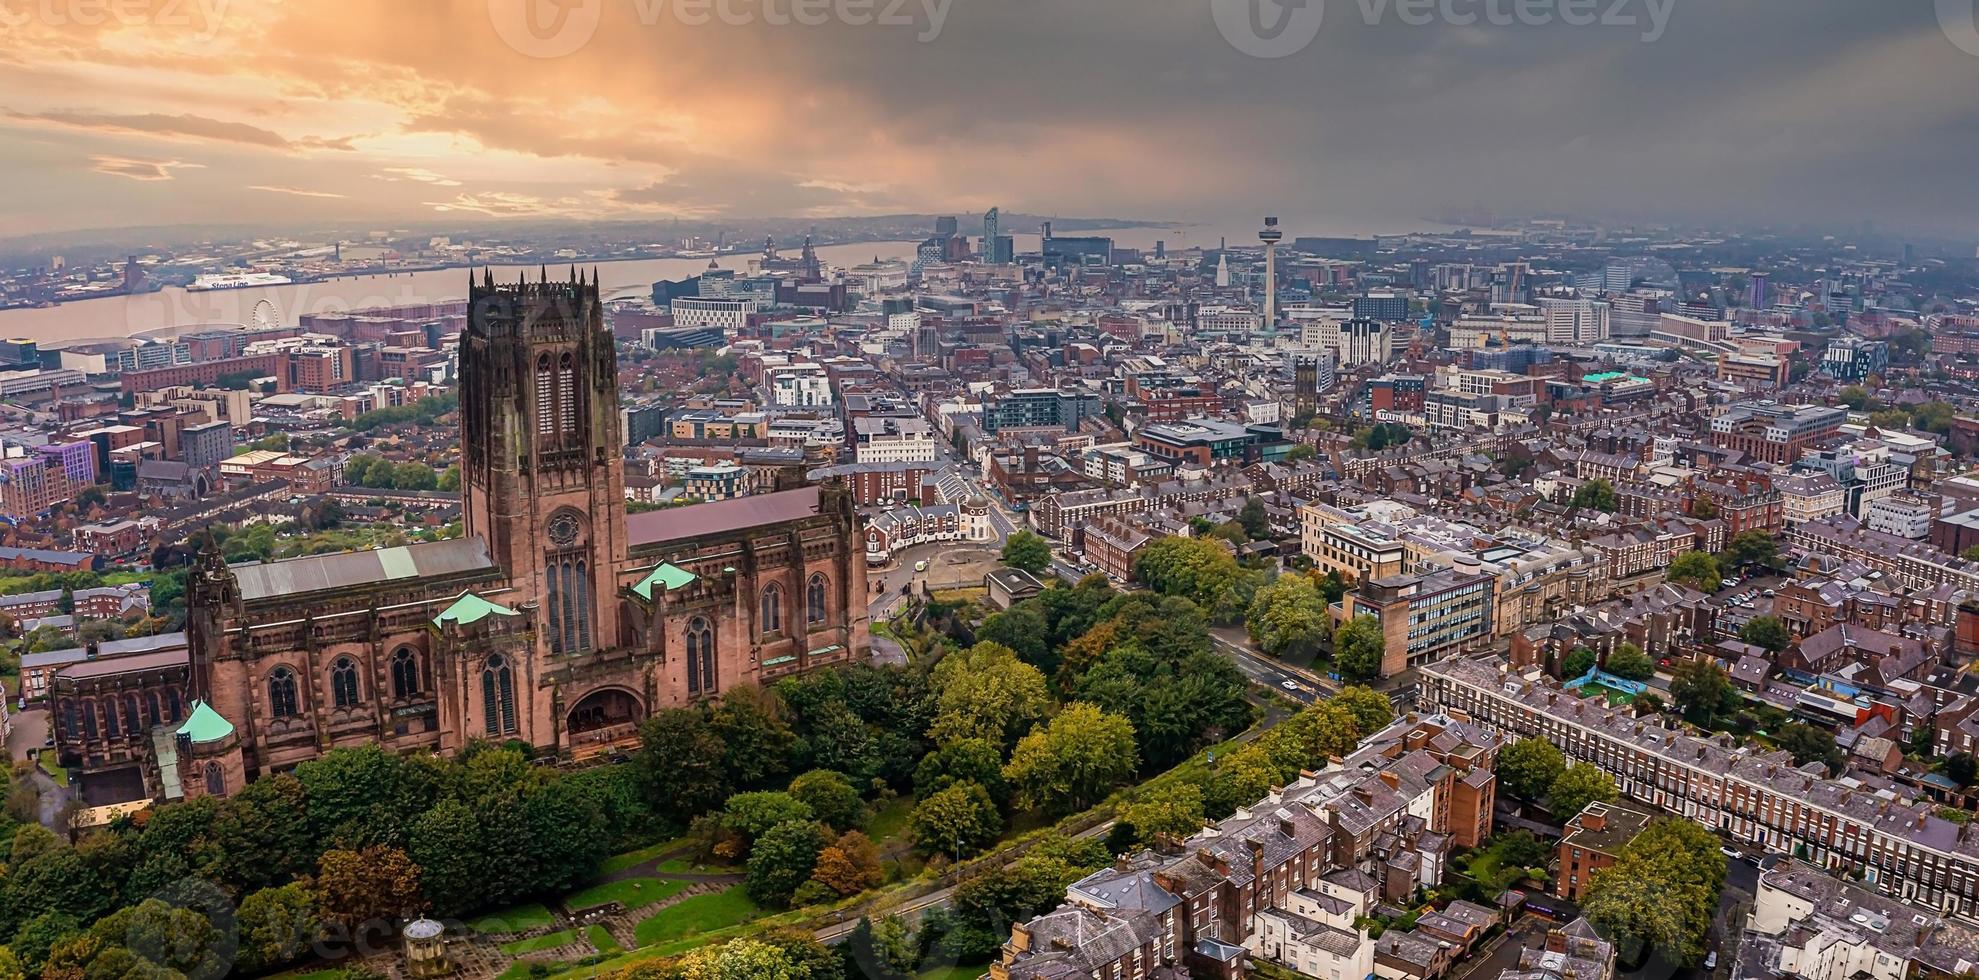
(241, 280)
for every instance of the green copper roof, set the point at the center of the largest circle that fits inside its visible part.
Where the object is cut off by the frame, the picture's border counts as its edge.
(470, 608)
(668, 575)
(205, 725)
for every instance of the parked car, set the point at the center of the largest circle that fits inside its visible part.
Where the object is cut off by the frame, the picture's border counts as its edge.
(1711, 960)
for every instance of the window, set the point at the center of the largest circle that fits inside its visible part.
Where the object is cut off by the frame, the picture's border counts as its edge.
(132, 720)
(815, 595)
(700, 657)
(566, 396)
(772, 609)
(343, 683)
(498, 696)
(216, 780)
(405, 674)
(282, 701)
(545, 397)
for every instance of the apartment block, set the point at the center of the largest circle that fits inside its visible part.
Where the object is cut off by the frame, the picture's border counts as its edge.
(1902, 850)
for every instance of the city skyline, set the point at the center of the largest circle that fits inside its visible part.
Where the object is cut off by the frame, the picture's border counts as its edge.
(254, 112)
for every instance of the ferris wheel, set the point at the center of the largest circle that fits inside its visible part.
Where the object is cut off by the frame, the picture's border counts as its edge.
(264, 316)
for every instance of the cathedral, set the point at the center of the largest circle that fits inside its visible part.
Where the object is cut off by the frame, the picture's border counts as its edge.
(556, 619)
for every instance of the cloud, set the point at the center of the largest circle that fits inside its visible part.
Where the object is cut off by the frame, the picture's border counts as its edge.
(179, 127)
(145, 170)
(416, 174)
(294, 191)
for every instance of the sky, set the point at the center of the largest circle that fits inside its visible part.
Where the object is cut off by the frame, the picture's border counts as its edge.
(1829, 113)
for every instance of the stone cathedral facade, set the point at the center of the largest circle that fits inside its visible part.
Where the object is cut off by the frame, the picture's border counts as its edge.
(557, 619)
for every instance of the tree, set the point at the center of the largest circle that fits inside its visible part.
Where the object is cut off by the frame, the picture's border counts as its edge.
(1027, 551)
(1073, 761)
(1300, 453)
(377, 882)
(1202, 570)
(986, 693)
(450, 479)
(277, 926)
(1255, 521)
(1754, 547)
(1766, 631)
(1856, 397)
(1970, 554)
(1701, 690)
(958, 821)
(1596, 494)
(680, 762)
(1578, 785)
(850, 865)
(967, 760)
(1628, 662)
(1288, 617)
(1528, 768)
(1371, 709)
(1809, 744)
(1961, 768)
(756, 740)
(748, 816)
(882, 950)
(39, 935)
(1176, 812)
(1359, 649)
(1661, 893)
(1022, 628)
(1696, 569)
(782, 859)
(830, 797)
(1578, 662)
(447, 844)
(1703, 508)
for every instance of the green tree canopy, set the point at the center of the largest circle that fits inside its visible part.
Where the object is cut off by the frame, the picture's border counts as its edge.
(1073, 761)
(1359, 648)
(958, 821)
(1696, 569)
(1528, 768)
(1596, 494)
(986, 693)
(1288, 617)
(1028, 551)
(1578, 785)
(1766, 631)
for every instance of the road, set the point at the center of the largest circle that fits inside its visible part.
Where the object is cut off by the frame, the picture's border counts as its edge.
(1296, 684)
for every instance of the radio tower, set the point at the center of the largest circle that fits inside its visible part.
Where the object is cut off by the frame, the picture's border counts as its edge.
(1270, 236)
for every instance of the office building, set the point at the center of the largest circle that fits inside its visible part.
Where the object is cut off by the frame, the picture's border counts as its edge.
(1855, 359)
(1040, 408)
(1427, 617)
(1773, 432)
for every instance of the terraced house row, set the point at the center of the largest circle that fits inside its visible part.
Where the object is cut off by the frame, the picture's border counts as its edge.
(1900, 848)
(1289, 878)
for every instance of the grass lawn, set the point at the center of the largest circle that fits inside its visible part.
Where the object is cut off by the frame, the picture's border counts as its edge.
(518, 919)
(519, 970)
(688, 866)
(549, 940)
(633, 859)
(702, 913)
(955, 973)
(631, 893)
(55, 772)
(602, 938)
(889, 820)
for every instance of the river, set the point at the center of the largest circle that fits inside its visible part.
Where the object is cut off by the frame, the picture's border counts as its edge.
(173, 310)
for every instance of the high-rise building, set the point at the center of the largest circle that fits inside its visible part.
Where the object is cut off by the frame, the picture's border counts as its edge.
(1270, 236)
(1759, 294)
(1575, 321)
(997, 248)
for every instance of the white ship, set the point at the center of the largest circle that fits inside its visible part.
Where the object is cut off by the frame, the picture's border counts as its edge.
(241, 280)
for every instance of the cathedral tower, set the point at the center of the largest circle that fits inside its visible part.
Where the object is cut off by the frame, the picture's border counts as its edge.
(542, 480)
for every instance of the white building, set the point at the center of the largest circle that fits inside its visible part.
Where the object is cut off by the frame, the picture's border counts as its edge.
(1903, 514)
(886, 439)
(1807, 497)
(1314, 932)
(801, 386)
(1574, 321)
(1807, 923)
(729, 315)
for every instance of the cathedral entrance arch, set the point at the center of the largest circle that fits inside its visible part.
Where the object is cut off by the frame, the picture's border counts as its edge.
(608, 712)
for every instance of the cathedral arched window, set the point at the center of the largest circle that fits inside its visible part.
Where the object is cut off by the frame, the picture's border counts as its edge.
(151, 708)
(343, 683)
(216, 780)
(282, 701)
(772, 608)
(89, 720)
(700, 657)
(110, 718)
(546, 396)
(174, 712)
(133, 723)
(405, 674)
(567, 394)
(815, 597)
(498, 695)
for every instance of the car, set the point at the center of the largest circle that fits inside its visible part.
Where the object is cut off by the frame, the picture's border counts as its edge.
(1289, 685)
(1769, 593)
(1711, 960)
(1730, 583)
(920, 566)
(1728, 852)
